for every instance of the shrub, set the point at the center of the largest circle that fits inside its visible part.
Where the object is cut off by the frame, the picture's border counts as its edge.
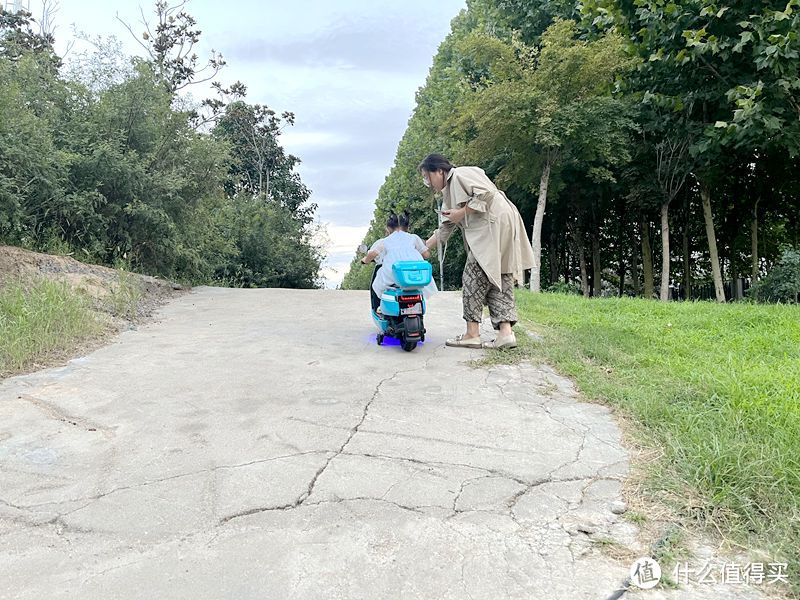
(782, 283)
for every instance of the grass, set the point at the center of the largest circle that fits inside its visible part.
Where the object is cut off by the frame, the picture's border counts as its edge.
(716, 388)
(125, 295)
(526, 348)
(41, 320)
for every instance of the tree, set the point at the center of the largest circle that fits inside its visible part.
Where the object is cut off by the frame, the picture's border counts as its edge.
(753, 50)
(169, 43)
(30, 166)
(261, 168)
(273, 251)
(17, 38)
(540, 105)
(104, 161)
(731, 71)
(783, 282)
(672, 168)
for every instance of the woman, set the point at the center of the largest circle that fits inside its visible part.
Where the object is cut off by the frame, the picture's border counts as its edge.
(498, 251)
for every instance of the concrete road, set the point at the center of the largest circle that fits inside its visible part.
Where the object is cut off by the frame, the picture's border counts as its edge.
(259, 444)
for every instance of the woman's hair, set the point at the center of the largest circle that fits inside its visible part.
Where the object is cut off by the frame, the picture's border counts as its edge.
(402, 221)
(434, 162)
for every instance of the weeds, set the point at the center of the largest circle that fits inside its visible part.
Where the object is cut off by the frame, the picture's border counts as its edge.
(43, 318)
(125, 295)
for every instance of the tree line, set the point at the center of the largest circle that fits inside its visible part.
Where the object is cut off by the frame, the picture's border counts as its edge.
(650, 145)
(104, 158)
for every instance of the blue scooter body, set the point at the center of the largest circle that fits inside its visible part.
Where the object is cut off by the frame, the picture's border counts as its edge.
(402, 307)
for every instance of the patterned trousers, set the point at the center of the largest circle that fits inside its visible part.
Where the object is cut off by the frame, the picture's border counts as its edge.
(477, 292)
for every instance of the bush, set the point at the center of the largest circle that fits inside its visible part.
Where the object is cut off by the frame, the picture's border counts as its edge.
(782, 283)
(562, 287)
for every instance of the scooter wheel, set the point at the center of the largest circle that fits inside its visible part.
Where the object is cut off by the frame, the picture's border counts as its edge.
(409, 346)
(379, 339)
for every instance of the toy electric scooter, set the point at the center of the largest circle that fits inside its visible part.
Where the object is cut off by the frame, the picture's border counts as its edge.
(399, 312)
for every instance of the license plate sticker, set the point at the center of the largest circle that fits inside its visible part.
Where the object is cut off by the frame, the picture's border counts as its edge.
(415, 309)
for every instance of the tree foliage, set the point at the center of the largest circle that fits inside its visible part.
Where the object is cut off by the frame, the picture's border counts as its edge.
(670, 119)
(112, 167)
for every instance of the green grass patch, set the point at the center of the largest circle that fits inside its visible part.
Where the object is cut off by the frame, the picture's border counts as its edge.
(125, 295)
(717, 387)
(40, 320)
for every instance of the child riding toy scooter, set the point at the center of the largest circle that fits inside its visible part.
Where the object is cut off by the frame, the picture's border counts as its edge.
(400, 284)
(400, 309)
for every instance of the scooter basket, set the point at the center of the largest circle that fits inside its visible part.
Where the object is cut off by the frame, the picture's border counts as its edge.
(412, 274)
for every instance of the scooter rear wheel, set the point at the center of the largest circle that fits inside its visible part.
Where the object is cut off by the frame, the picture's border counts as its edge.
(379, 339)
(409, 346)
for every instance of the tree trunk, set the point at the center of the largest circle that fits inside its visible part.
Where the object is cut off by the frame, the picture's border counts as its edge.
(647, 258)
(553, 252)
(536, 240)
(687, 267)
(634, 256)
(621, 257)
(596, 270)
(584, 273)
(636, 282)
(719, 290)
(664, 296)
(754, 245)
(577, 238)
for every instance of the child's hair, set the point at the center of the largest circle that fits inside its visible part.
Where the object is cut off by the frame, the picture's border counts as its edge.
(398, 221)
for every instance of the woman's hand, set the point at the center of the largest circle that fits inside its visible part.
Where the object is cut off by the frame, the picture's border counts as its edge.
(456, 215)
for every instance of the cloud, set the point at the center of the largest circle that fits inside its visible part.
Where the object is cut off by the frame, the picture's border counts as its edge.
(341, 248)
(347, 237)
(344, 160)
(311, 139)
(396, 44)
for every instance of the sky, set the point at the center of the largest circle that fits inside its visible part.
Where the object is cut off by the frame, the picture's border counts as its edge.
(348, 69)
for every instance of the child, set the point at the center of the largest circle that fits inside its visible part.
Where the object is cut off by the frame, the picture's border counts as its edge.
(396, 246)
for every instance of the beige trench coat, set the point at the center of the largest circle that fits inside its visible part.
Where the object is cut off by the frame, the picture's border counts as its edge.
(495, 234)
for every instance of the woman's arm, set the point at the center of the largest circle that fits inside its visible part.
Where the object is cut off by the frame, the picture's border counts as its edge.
(471, 189)
(457, 214)
(441, 235)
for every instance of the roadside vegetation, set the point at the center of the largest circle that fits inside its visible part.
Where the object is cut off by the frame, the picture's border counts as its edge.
(41, 320)
(53, 307)
(104, 157)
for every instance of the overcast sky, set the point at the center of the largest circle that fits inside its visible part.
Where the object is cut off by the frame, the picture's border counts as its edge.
(348, 69)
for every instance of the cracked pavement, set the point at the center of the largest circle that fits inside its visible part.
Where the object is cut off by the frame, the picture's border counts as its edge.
(259, 444)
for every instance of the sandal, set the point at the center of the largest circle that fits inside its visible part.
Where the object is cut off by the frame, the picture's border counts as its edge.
(461, 342)
(502, 343)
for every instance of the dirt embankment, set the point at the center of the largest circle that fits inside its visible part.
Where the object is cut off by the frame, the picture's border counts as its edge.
(119, 299)
(103, 285)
